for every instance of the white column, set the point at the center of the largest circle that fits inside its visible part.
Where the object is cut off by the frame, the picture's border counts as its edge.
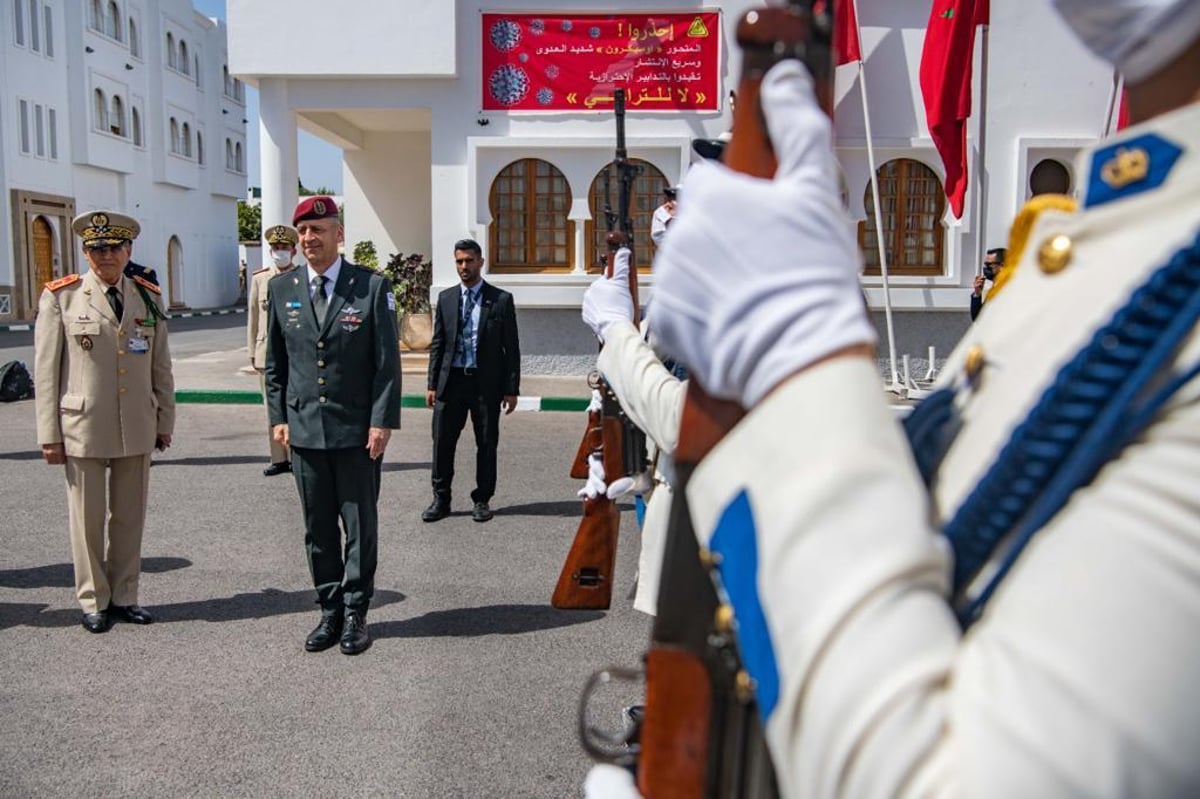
(278, 162)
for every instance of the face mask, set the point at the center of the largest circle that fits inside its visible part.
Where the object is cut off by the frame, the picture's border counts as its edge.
(281, 257)
(1138, 37)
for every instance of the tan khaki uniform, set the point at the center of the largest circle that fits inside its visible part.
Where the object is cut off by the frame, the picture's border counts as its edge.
(105, 391)
(256, 341)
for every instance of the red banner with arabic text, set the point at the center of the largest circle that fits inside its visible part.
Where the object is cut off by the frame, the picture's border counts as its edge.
(539, 62)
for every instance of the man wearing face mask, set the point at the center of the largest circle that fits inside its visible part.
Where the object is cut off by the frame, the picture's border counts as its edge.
(1047, 502)
(282, 241)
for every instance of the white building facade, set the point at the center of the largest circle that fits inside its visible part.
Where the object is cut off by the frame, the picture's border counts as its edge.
(425, 165)
(124, 105)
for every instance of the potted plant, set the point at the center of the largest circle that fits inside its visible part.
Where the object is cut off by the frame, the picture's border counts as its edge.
(412, 277)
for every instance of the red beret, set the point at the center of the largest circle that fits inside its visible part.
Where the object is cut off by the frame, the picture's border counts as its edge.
(315, 208)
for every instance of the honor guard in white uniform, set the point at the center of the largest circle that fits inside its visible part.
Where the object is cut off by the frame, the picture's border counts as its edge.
(1007, 607)
(105, 401)
(651, 397)
(282, 241)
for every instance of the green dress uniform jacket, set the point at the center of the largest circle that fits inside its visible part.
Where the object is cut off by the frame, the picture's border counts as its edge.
(330, 381)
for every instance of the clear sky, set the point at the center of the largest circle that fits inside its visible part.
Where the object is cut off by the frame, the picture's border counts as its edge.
(320, 162)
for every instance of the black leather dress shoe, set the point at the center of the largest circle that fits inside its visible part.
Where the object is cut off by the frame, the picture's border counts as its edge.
(96, 622)
(326, 633)
(440, 509)
(482, 512)
(134, 614)
(355, 637)
(277, 468)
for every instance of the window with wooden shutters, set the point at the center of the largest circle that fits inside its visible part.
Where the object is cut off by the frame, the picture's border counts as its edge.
(912, 203)
(531, 232)
(647, 195)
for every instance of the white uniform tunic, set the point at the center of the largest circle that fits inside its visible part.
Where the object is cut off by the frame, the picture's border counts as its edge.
(1081, 677)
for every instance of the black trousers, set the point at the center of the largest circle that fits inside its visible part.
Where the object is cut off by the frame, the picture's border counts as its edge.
(333, 484)
(462, 398)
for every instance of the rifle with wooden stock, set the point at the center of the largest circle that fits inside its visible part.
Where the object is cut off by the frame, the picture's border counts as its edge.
(701, 735)
(586, 579)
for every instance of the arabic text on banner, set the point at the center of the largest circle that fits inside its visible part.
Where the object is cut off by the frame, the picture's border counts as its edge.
(665, 62)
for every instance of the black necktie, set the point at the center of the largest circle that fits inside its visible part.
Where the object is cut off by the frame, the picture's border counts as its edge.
(114, 299)
(319, 300)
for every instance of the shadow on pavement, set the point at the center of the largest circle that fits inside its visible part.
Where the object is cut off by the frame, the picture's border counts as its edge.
(62, 575)
(31, 455)
(411, 466)
(486, 620)
(258, 605)
(217, 460)
(570, 508)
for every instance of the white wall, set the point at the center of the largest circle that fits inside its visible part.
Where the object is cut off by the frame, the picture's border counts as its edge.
(169, 194)
(392, 170)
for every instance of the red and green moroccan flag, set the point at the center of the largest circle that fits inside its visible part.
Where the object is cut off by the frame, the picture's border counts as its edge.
(946, 62)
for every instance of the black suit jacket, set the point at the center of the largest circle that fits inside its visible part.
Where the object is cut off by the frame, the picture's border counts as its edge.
(331, 382)
(497, 350)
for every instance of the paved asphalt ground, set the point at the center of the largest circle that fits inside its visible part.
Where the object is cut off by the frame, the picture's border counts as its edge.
(470, 689)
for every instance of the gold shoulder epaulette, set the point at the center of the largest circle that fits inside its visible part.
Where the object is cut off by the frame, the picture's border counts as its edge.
(144, 283)
(55, 285)
(1022, 228)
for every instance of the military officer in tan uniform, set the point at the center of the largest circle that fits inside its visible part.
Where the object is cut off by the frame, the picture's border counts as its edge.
(105, 400)
(282, 241)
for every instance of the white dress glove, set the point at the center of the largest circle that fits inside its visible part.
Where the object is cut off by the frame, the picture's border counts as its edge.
(606, 781)
(596, 485)
(608, 299)
(759, 278)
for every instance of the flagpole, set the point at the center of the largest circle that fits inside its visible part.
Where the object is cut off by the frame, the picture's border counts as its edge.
(883, 268)
(983, 178)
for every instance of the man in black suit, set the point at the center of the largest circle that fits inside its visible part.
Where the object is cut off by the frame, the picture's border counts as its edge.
(333, 393)
(474, 368)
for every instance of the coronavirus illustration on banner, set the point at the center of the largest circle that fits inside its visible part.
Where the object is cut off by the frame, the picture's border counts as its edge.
(665, 62)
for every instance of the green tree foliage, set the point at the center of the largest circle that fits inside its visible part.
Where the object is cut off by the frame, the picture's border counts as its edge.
(365, 255)
(249, 222)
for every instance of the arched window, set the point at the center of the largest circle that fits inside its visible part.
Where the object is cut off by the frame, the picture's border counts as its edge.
(530, 230)
(112, 21)
(171, 54)
(228, 82)
(196, 73)
(184, 61)
(35, 35)
(186, 142)
(116, 119)
(100, 110)
(913, 203)
(645, 197)
(136, 124)
(238, 164)
(200, 148)
(96, 17)
(176, 147)
(229, 154)
(135, 44)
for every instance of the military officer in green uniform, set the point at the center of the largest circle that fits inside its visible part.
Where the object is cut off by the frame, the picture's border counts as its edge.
(282, 240)
(105, 400)
(333, 396)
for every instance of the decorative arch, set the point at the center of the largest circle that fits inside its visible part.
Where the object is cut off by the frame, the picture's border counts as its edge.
(176, 144)
(200, 148)
(112, 21)
(175, 272)
(913, 203)
(184, 61)
(135, 44)
(239, 162)
(530, 200)
(116, 119)
(186, 140)
(42, 238)
(136, 126)
(645, 197)
(172, 56)
(96, 20)
(100, 109)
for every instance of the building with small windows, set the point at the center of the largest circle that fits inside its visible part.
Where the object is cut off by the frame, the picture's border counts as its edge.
(126, 105)
(494, 120)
